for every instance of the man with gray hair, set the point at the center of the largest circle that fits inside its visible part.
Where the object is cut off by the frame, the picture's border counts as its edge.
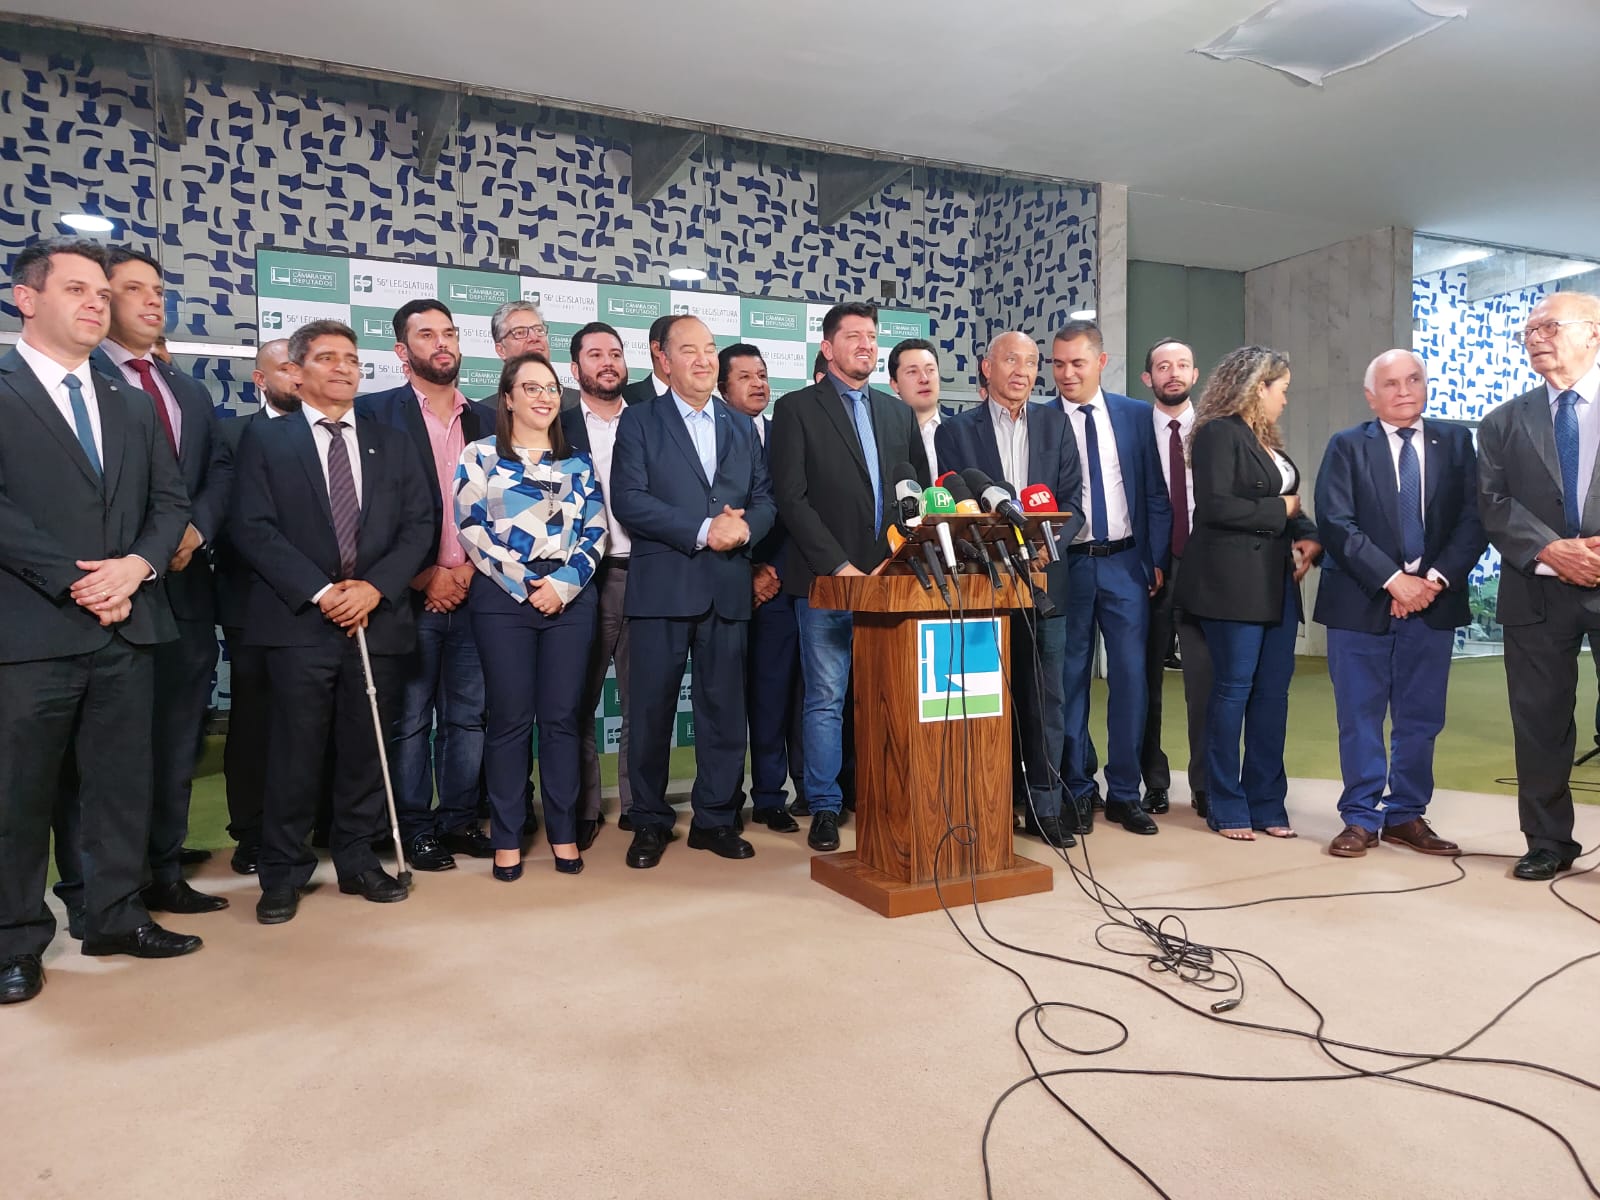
(517, 327)
(1397, 509)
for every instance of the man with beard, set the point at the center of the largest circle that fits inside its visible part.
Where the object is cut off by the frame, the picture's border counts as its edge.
(1170, 374)
(601, 371)
(518, 328)
(914, 376)
(443, 677)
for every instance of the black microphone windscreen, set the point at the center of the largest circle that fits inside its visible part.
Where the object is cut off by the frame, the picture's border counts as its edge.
(976, 480)
(958, 489)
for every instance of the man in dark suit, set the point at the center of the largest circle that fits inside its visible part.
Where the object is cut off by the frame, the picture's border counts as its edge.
(689, 484)
(1021, 444)
(834, 447)
(1539, 502)
(438, 738)
(655, 383)
(1117, 562)
(92, 510)
(332, 512)
(517, 327)
(1397, 508)
(774, 690)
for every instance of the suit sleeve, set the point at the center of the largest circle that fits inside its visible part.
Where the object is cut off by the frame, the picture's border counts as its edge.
(947, 447)
(760, 512)
(166, 510)
(1509, 524)
(642, 513)
(255, 534)
(807, 530)
(1467, 540)
(416, 540)
(31, 554)
(1356, 553)
(208, 507)
(1214, 458)
(1158, 505)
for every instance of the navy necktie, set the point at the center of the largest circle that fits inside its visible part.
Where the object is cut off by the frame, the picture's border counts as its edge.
(861, 411)
(1410, 498)
(80, 421)
(1097, 484)
(1567, 452)
(342, 499)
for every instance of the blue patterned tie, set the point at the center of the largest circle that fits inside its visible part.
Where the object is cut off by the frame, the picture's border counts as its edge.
(869, 448)
(1567, 452)
(80, 418)
(1097, 483)
(1410, 498)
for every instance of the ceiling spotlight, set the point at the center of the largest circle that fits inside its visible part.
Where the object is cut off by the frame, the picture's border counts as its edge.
(1083, 314)
(686, 274)
(87, 223)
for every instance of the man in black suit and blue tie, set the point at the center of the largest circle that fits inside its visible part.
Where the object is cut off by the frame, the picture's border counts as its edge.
(92, 510)
(1116, 563)
(689, 483)
(1397, 509)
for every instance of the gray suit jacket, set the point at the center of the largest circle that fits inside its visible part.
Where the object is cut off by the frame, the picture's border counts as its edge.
(1520, 501)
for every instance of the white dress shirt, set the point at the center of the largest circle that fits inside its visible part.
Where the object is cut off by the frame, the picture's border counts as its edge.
(1011, 440)
(661, 388)
(124, 358)
(1163, 419)
(50, 373)
(1119, 524)
(927, 429)
(602, 444)
(324, 439)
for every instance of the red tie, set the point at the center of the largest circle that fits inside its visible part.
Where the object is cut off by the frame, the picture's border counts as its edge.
(147, 381)
(1178, 485)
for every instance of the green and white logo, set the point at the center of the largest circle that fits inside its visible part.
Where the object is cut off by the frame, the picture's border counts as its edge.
(958, 670)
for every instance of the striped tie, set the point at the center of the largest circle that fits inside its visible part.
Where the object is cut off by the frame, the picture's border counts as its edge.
(342, 497)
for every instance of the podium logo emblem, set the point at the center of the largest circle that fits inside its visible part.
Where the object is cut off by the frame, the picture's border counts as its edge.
(958, 670)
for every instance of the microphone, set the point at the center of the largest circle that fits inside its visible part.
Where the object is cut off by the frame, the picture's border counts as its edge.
(999, 499)
(936, 500)
(898, 539)
(906, 516)
(967, 503)
(1038, 498)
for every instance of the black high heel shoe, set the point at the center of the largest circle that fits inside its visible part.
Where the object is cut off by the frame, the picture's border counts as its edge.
(570, 866)
(508, 874)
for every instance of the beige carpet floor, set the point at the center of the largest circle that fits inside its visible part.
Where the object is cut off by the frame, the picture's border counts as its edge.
(717, 1029)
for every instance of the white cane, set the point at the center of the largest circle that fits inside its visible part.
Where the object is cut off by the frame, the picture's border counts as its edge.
(404, 873)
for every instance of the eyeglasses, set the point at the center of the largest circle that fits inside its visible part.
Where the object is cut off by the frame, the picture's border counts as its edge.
(523, 332)
(532, 390)
(1545, 330)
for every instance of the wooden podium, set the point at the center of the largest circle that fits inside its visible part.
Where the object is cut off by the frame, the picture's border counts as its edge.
(918, 775)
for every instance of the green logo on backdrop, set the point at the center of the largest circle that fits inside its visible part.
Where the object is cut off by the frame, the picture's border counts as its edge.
(477, 293)
(285, 276)
(633, 307)
(374, 328)
(898, 326)
(773, 320)
(479, 376)
(271, 319)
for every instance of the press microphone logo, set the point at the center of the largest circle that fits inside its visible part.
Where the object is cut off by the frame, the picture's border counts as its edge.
(1035, 499)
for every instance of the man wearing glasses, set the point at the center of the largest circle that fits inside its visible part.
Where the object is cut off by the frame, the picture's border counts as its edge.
(517, 328)
(1549, 539)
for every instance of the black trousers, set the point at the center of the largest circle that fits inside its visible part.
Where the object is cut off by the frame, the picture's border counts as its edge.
(90, 707)
(1165, 617)
(319, 698)
(244, 754)
(183, 672)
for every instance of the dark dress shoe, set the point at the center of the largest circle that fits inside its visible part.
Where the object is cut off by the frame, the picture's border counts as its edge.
(468, 840)
(508, 874)
(738, 821)
(277, 905)
(319, 839)
(1097, 802)
(1201, 807)
(75, 924)
(179, 897)
(1052, 831)
(1155, 801)
(1077, 815)
(776, 819)
(376, 885)
(1131, 817)
(147, 941)
(193, 856)
(570, 866)
(645, 850)
(625, 823)
(824, 833)
(800, 807)
(246, 857)
(589, 830)
(426, 854)
(1352, 842)
(1541, 864)
(1418, 835)
(21, 978)
(725, 842)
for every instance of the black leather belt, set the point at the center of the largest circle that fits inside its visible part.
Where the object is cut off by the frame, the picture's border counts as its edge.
(1101, 549)
(615, 562)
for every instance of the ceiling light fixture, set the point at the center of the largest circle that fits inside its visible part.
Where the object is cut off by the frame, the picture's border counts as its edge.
(1083, 314)
(87, 223)
(686, 274)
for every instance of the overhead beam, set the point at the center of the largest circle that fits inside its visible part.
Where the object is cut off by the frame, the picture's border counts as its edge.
(845, 183)
(658, 152)
(438, 116)
(167, 82)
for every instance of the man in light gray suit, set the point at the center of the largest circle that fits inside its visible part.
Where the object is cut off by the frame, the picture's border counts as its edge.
(1541, 508)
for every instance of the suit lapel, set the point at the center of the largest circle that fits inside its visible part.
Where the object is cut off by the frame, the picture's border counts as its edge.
(113, 429)
(305, 448)
(1434, 467)
(366, 448)
(189, 449)
(1127, 458)
(33, 396)
(724, 428)
(1384, 482)
(988, 445)
(1541, 430)
(669, 416)
(833, 407)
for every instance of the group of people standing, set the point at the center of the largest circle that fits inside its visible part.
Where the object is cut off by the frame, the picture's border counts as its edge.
(481, 566)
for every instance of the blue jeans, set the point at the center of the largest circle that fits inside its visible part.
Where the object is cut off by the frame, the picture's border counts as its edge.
(825, 643)
(1251, 666)
(443, 680)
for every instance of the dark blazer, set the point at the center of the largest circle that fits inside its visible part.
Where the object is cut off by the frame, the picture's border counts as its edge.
(1242, 543)
(819, 476)
(55, 511)
(967, 440)
(661, 496)
(576, 431)
(230, 572)
(1143, 484)
(770, 549)
(1358, 518)
(190, 590)
(283, 525)
(1520, 502)
(640, 390)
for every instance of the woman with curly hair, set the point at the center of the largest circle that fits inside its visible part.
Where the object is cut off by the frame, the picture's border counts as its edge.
(1252, 543)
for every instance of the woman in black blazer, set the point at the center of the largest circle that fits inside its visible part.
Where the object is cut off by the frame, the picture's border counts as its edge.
(1251, 545)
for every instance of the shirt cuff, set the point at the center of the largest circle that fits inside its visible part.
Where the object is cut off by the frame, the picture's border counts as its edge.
(151, 571)
(1545, 569)
(1391, 579)
(841, 566)
(700, 538)
(1434, 575)
(321, 591)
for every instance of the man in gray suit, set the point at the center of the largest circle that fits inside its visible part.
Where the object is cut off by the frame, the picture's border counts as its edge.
(1541, 509)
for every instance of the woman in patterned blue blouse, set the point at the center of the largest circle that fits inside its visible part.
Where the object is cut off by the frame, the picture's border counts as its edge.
(533, 524)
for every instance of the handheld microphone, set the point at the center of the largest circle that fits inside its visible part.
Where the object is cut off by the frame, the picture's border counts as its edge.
(937, 569)
(999, 499)
(898, 539)
(937, 500)
(907, 498)
(1038, 498)
(966, 502)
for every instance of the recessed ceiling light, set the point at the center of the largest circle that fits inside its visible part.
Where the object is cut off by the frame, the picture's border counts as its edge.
(1083, 314)
(686, 274)
(87, 223)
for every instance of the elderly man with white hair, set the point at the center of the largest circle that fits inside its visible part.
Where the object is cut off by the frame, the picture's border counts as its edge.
(1397, 508)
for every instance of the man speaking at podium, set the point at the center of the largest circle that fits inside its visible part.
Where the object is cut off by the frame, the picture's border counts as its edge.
(833, 445)
(1021, 444)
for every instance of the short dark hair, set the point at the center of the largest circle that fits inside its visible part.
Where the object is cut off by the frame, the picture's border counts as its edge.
(503, 445)
(118, 255)
(907, 346)
(1150, 354)
(850, 308)
(819, 365)
(403, 314)
(300, 340)
(32, 265)
(1073, 330)
(727, 354)
(577, 339)
(659, 327)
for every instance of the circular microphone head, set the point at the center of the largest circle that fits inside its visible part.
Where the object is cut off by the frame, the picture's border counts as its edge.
(957, 487)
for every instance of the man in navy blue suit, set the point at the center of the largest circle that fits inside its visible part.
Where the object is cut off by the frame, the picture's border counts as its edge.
(1397, 507)
(689, 481)
(1021, 444)
(1115, 564)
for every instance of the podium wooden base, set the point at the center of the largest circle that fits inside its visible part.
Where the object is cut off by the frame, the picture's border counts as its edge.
(891, 897)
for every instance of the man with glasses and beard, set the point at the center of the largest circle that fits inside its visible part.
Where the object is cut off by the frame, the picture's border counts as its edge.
(443, 677)
(517, 328)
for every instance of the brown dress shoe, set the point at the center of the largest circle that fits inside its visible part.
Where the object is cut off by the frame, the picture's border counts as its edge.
(1416, 834)
(1352, 842)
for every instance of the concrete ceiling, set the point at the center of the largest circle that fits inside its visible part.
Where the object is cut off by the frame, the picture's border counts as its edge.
(1229, 165)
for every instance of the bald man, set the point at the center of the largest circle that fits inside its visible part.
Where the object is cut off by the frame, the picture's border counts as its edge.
(1397, 508)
